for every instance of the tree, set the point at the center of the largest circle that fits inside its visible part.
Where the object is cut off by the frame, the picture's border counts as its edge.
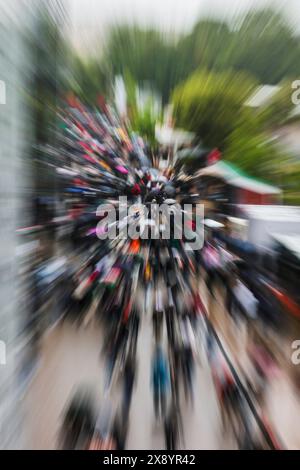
(278, 110)
(253, 151)
(207, 46)
(266, 46)
(261, 43)
(89, 79)
(142, 117)
(210, 104)
(143, 122)
(48, 50)
(146, 54)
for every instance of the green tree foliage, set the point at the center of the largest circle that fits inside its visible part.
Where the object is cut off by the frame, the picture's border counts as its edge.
(149, 56)
(209, 73)
(142, 118)
(143, 122)
(131, 90)
(261, 43)
(250, 147)
(210, 104)
(47, 48)
(207, 46)
(88, 79)
(265, 45)
(277, 111)
(253, 151)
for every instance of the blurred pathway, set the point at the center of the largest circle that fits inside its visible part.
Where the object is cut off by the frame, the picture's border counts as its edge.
(70, 356)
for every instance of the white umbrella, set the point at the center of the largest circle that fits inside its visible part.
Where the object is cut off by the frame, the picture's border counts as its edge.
(212, 223)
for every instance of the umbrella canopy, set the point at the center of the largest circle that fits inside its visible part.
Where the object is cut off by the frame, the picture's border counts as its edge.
(234, 177)
(212, 223)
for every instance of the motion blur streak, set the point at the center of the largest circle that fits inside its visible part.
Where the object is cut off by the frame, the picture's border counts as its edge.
(149, 341)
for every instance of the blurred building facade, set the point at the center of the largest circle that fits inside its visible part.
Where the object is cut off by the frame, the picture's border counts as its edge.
(15, 183)
(19, 34)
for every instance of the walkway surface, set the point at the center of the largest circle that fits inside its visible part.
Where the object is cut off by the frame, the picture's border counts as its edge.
(71, 356)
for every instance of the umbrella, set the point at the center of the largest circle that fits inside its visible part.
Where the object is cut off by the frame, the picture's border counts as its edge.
(212, 223)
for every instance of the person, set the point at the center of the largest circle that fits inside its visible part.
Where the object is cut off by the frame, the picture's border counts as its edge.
(157, 317)
(226, 386)
(172, 428)
(170, 318)
(128, 383)
(198, 316)
(117, 349)
(119, 431)
(134, 329)
(160, 380)
(246, 301)
(103, 437)
(79, 420)
(188, 353)
(176, 367)
(265, 366)
(212, 263)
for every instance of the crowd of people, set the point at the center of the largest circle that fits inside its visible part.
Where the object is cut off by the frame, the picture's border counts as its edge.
(117, 281)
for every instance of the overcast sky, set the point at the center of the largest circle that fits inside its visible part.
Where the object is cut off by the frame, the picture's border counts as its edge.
(90, 18)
